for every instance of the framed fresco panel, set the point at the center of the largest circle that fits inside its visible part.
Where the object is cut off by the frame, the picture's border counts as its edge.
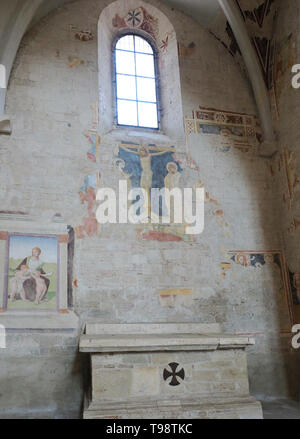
(32, 272)
(33, 266)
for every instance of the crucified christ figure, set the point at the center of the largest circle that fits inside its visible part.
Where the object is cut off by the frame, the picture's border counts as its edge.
(145, 158)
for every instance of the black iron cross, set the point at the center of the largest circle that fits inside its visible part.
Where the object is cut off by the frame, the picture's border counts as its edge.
(174, 381)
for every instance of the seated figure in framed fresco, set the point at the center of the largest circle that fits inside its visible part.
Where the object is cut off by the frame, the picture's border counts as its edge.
(32, 280)
(31, 285)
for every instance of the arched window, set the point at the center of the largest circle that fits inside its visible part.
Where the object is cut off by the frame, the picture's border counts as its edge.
(136, 82)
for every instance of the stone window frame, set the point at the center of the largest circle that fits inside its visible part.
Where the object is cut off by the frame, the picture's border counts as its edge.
(171, 125)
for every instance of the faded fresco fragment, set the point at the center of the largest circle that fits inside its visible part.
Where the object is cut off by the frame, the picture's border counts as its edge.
(274, 262)
(186, 51)
(295, 287)
(175, 297)
(295, 225)
(87, 195)
(284, 58)
(138, 18)
(284, 166)
(88, 190)
(81, 35)
(94, 140)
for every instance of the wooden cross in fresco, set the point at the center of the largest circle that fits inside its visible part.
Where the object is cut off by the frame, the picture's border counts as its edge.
(167, 374)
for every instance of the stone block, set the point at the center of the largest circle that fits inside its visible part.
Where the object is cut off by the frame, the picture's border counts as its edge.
(145, 381)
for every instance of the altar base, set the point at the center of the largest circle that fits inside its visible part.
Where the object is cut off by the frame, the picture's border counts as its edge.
(171, 371)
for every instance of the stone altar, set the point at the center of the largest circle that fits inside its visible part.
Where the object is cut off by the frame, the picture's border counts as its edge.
(181, 371)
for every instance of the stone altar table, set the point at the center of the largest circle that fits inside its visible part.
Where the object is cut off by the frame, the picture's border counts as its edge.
(167, 371)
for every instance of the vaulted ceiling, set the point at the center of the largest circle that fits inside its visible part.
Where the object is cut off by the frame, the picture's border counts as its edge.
(203, 11)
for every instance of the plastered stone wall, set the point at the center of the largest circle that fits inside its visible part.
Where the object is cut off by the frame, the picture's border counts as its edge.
(286, 163)
(233, 274)
(41, 375)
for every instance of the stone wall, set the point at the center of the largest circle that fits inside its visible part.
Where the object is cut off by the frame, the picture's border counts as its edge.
(54, 161)
(286, 163)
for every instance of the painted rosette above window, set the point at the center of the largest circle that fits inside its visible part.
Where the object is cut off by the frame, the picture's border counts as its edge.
(136, 83)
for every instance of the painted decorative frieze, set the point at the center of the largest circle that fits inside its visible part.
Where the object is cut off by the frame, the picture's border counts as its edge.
(236, 130)
(276, 57)
(259, 17)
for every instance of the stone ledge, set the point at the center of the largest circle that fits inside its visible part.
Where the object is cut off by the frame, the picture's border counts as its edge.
(24, 223)
(96, 328)
(226, 408)
(140, 403)
(39, 320)
(163, 342)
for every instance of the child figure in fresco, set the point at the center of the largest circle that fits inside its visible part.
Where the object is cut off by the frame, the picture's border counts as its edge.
(18, 281)
(41, 287)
